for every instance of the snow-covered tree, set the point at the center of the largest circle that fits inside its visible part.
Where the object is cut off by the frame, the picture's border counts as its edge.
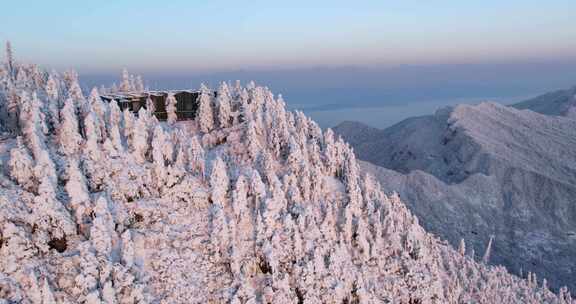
(53, 93)
(196, 157)
(330, 152)
(10, 60)
(102, 231)
(52, 86)
(252, 140)
(139, 84)
(295, 157)
(49, 214)
(462, 247)
(77, 190)
(21, 166)
(99, 108)
(171, 109)
(75, 92)
(150, 105)
(486, 257)
(205, 117)
(129, 126)
(68, 136)
(114, 115)
(159, 141)
(223, 106)
(93, 136)
(125, 85)
(219, 182)
(32, 119)
(140, 138)
(12, 107)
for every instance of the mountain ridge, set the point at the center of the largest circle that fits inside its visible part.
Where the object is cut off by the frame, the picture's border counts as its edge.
(522, 160)
(557, 103)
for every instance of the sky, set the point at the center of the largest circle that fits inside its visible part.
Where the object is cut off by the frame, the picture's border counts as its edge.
(176, 35)
(374, 61)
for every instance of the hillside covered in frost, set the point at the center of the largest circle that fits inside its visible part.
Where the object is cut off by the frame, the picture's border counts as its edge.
(247, 203)
(477, 172)
(557, 103)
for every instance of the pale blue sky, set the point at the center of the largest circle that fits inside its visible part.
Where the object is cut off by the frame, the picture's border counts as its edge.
(96, 36)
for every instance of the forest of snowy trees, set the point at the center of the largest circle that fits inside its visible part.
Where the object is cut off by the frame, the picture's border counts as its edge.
(247, 203)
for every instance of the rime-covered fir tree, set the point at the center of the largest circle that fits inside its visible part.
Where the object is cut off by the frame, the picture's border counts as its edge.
(125, 85)
(10, 60)
(171, 109)
(205, 115)
(224, 111)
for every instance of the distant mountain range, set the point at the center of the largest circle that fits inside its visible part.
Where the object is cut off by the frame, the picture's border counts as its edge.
(558, 103)
(475, 171)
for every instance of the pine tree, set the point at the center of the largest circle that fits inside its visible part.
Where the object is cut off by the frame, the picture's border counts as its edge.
(462, 248)
(351, 180)
(99, 109)
(47, 294)
(252, 142)
(139, 84)
(219, 182)
(32, 119)
(52, 87)
(93, 136)
(49, 213)
(116, 139)
(68, 136)
(114, 115)
(150, 105)
(128, 249)
(102, 231)
(158, 143)
(205, 116)
(486, 257)
(129, 127)
(75, 92)
(78, 192)
(223, 105)
(21, 166)
(13, 107)
(239, 198)
(140, 139)
(257, 186)
(10, 61)
(23, 80)
(52, 91)
(330, 153)
(125, 85)
(196, 156)
(171, 109)
(245, 107)
(294, 157)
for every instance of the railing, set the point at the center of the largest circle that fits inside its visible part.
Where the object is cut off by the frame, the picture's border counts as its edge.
(182, 115)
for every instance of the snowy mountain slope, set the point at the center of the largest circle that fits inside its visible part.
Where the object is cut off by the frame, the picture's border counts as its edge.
(475, 171)
(558, 103)
(100, 206)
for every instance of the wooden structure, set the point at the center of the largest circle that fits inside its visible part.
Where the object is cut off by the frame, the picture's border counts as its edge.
(186, 105)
